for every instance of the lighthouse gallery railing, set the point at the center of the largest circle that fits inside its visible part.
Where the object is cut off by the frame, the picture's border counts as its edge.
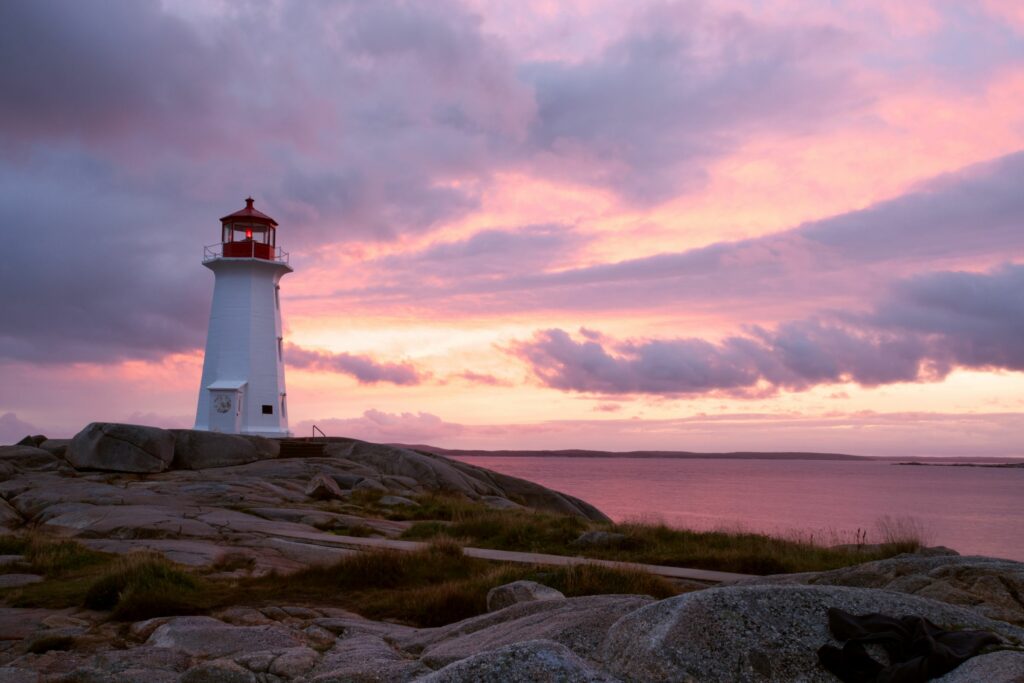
(247, 249)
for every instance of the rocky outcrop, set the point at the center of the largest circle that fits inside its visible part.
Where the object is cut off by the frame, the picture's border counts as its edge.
(758, 633)
(501, 597)
(121, 448)
(992, 587)
(437, 473)
(199, 450)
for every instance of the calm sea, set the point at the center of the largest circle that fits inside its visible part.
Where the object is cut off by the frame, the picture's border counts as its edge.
(975, 510)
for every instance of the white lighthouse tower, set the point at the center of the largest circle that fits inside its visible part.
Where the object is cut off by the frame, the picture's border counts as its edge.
(242, 390)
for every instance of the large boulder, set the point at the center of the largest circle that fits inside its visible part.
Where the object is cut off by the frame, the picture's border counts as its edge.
(118, 447)
(990, 586)
(199, 450)
(437, 473)
(508, 594)
(540, 661)
(758, 633)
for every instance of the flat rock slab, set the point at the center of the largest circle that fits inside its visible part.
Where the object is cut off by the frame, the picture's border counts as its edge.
(208, 637)
(18, 580)
(17, 623)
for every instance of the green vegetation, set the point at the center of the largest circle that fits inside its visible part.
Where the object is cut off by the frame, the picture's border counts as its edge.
(67, 567)
(746, 553)
(430, 587)
(142, 585)
(436, 585)
(47, 556)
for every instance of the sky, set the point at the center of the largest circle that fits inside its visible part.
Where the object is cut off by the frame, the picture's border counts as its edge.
(706, 226)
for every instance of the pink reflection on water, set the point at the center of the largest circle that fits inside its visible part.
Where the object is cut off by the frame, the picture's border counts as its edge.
(971, 509)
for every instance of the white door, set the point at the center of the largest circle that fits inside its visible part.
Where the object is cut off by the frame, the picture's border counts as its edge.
(225, 410)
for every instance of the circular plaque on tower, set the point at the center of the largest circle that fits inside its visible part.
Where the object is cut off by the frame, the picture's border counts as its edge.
(222, 403)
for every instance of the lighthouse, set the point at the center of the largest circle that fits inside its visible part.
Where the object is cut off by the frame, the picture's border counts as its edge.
(242, 390)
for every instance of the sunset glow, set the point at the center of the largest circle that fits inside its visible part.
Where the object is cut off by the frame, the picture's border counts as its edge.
(704, 226)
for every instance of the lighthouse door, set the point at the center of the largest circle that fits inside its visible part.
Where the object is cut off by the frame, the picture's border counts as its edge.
(226, 406)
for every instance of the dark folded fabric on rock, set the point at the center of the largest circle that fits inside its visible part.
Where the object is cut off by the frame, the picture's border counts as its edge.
(918, 649)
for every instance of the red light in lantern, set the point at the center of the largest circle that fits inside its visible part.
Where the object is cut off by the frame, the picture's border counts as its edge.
(248, 234)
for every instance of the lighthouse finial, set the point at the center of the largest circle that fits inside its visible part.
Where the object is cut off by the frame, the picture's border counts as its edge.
(248, 202)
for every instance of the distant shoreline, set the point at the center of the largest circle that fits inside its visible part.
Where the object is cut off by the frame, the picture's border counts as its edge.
(950, 461)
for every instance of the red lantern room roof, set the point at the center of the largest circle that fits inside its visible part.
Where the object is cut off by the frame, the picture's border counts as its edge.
(249, 214)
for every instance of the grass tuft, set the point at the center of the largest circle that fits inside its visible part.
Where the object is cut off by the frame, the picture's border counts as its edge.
(143, 585)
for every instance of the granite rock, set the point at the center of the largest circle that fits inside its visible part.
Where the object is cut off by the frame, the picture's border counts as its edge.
(758, 633)
(121, 448)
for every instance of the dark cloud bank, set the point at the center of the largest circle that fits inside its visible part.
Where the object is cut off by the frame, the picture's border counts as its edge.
(928, 326)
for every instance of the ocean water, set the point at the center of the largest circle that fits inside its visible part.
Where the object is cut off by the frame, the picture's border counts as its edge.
(975, 510)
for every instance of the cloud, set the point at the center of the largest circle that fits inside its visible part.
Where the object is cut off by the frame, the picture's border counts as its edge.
(364, 368)
(13, 429)
(977, 318)
(483, 378)
(685, 85)
(927, 326)
(964, 218)
(375, 425)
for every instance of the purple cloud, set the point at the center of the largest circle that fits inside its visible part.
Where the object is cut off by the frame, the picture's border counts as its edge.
(364, 368)
(928, 326)
(685, 85)
(960, 218)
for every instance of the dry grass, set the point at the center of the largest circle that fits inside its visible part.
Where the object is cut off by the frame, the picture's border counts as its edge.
(142, 585)
(434, 586)
(658, 543)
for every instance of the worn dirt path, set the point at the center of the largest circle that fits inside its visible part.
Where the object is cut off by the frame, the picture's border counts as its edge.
(354, 542)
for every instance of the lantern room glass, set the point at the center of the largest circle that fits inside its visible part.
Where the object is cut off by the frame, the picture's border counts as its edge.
(241, 231)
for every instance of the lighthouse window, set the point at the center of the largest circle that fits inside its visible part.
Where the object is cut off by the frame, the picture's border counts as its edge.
(268, 409)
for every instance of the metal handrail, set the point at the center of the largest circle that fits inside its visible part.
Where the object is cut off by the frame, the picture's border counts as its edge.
(317, 429)
(216, 251)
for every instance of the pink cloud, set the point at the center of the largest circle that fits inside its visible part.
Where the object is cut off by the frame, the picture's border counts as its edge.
(364, 368)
